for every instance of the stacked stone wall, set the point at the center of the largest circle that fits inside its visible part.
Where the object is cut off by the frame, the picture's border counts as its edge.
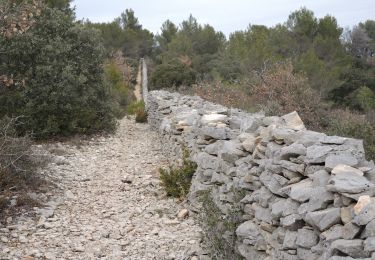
(304, 194)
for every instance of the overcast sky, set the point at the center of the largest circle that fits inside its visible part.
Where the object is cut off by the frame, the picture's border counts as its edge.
(225, 15)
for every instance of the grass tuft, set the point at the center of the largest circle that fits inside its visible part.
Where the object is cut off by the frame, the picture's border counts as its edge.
(177, 180)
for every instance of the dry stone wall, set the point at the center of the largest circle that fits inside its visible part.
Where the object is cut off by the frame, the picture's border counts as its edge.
(305, 195)
(144, 81)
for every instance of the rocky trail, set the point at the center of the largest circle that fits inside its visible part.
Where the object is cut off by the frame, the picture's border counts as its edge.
(138, 87)
(108, 204)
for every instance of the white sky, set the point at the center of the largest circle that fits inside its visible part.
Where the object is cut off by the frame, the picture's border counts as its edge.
(225, 15)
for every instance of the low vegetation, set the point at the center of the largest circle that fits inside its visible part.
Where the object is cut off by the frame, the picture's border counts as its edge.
(177, 179)
(138, 109)
(18, 166)
(219, 230)
(141, 115)
(347, 123)
(120, 92)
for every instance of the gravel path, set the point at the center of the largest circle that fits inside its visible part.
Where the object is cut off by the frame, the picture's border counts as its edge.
(108, 205)
(138, 87)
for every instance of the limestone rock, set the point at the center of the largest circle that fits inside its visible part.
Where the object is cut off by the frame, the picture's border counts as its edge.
(183, 214)
(317, 153)
(342, 168)
(353, 248)
(293, 121)
(323, 219)
(293, 150)
(219, 178)
(369, 230)
(301, 191)
(347, 214)
(306, 254)
(244, 136)
(251, 232)
(333, 233)
(218, 133)
(342, 159)
(69, 195)
(261, 196)
(369, 244)
(231, 151)
(320, 178)
(213, 149)
(290, 240)
(60, 160)
(250, 124)
(319, 199)
(206, 161)
(350, 231)
(250, 143)
(249, 253)
(292, 222)
(214, 118)
(363, 201)
(273, 182)
(366, 215)
(306, 238)
(283, 135)
(333, 140)
(348, 182)
(284, 207)
(293, 167)
(262, 214)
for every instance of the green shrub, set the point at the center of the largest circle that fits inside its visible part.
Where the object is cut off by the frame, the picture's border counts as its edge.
(134, 106)
(349, 124)
(120, 92)
(58, 77)
(172, 74)
(141, 115)
(139, 110)
(365, 99)
(177, 180)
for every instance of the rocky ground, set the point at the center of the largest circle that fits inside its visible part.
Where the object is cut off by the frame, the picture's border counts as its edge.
(107, 204)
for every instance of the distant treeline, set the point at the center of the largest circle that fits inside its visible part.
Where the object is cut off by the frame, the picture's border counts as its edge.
(338, 63)
(307, 64)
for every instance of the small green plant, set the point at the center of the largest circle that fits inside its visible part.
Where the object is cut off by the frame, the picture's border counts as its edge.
(134, 106)
(219, 229)
(139, 110)
(141, 115)
(177, 180)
